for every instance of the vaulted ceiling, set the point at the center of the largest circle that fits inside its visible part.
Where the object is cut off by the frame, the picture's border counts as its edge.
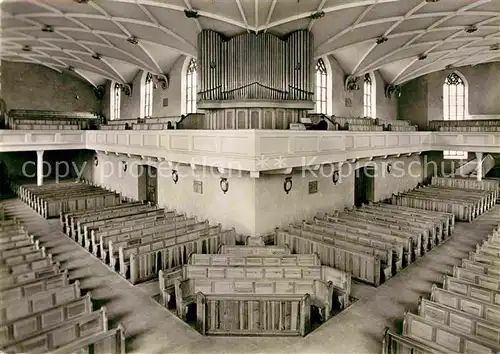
(114, 39)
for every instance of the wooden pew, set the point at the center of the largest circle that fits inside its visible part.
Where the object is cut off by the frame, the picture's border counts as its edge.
(402, 247)
(38, 285)
(471, 290)
(485, 249)
(459, 320)
(462, 211)
(27, 266)
(365, 267)
(167, 279)
(55, 337)
(301, 260)
(441, 337)
(396, 344)
(186, 290)
(172, 231)
(490, 270)
(464, 303)
(341, 281)
(477, 278)
(267, 315)
(383, 251)
(253, 250)
(23, 306)
(151, 225)
(484, 258)
(16, 241)
(18, 279)
(414, 243)
(115, 220)
(441, 223)
(143, 262)
(429, 230)
(65, 218)
(448, 219)
(109, 342)
(20, 328)
(90, 215)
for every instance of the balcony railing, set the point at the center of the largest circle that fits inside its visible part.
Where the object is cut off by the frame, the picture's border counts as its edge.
(250, 150)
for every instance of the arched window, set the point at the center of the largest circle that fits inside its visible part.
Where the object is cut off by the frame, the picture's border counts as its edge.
(369, 96)
(148, 95)
(454, 106)
(191, 86)
(321, 87)
(117, 89)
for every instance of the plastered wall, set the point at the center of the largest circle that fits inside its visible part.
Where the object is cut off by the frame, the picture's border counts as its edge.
(422, 98)
(33, 86)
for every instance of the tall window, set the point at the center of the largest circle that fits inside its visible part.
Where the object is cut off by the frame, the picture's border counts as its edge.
(454, 99)
(368, 96)
(116, 101)
(148, 96)
(321, 87)
(191, 86)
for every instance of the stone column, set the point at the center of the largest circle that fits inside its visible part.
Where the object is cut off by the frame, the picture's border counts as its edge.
(479, 168)
(39, 167)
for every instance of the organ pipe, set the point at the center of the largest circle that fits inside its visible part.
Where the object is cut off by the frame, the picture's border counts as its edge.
(255, 66)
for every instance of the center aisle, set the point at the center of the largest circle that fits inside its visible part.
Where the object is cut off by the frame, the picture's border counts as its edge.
(152, 329)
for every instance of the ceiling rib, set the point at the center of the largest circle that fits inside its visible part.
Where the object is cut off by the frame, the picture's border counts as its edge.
(493, 35)
(269, 15)
(370, 66)
(388, 32)
(242, 13)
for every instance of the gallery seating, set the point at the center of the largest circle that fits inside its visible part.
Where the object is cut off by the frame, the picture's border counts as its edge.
(150, 123)
(255, 290)
(468, 125)
(373, 242)
(52, 120)
(463, 316)
(40, 310)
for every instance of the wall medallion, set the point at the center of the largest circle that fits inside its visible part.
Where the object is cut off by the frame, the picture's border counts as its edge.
(224, 185)
(335, 177)
(175, 176)
(287, 185)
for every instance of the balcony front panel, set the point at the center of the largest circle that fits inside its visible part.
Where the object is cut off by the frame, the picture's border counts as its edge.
(23, 140)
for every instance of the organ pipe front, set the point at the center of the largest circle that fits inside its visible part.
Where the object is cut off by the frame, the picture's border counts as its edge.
(255, 67)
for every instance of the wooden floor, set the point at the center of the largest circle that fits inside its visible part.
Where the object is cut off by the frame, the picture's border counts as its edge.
(152, 329)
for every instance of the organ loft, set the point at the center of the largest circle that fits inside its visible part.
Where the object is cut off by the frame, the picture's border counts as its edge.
(250, 176)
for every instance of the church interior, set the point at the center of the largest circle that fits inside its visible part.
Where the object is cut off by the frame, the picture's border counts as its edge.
(250, 176)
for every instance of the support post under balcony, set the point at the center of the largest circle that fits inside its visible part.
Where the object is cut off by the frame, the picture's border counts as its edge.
(39, 167)
(479, 166)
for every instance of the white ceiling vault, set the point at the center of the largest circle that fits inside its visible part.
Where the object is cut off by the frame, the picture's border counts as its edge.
(114, 39)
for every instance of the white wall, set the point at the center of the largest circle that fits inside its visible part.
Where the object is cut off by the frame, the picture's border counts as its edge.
(233, 209)
(256, 206)
(274, 208)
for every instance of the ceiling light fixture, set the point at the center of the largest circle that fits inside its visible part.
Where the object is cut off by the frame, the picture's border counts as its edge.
(422, 57)
(47, 28)
(82, 1)
(133, 40)
(317, 15)
(381, 40)
(470, 29)
(190, 13)
(27, 48)
(449, 66)
(70, 68)
(97, 56)
(431, 0)
(495, 46)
